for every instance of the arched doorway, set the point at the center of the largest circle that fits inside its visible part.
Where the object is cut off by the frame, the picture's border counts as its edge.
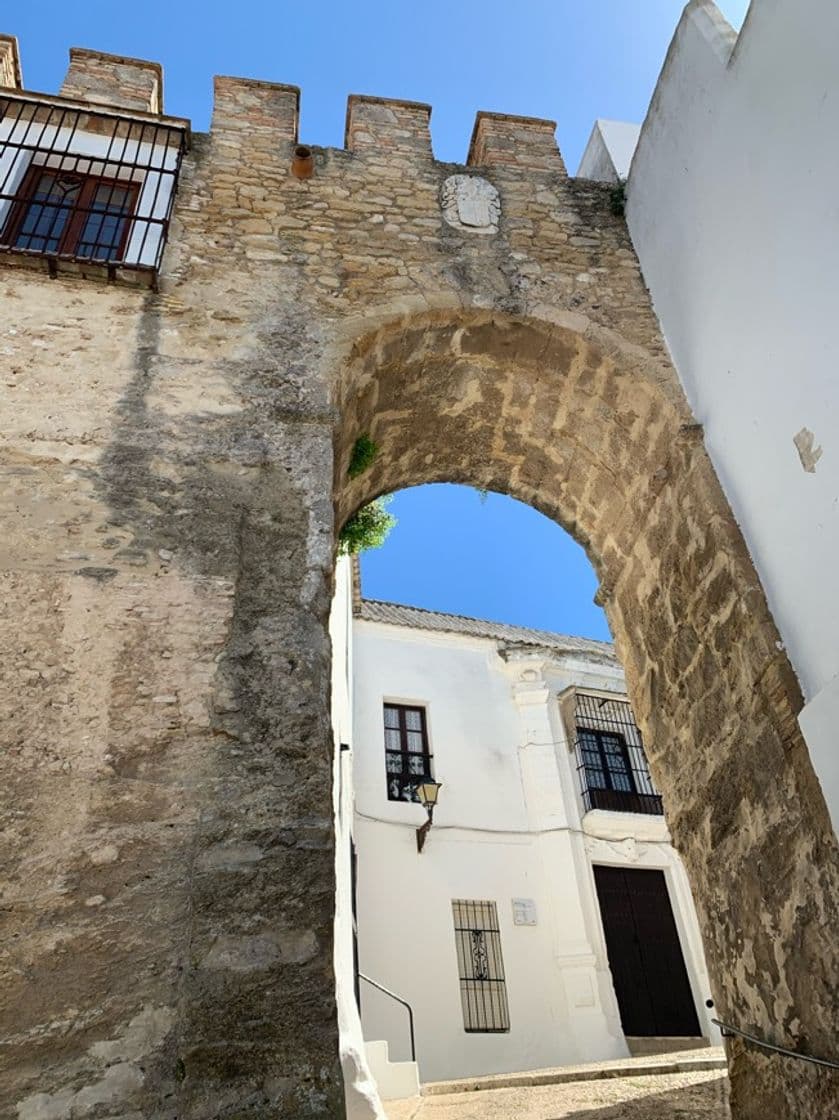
(597, 436)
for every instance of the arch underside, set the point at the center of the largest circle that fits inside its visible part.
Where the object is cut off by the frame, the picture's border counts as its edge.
(601, 440)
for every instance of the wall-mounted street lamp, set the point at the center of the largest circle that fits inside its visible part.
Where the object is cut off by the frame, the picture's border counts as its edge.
(427, 792)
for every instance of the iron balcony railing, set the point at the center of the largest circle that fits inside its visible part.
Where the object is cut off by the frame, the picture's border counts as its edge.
(86, 186)
(611, 763)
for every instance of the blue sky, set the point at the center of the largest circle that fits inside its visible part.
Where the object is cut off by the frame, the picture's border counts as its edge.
(568, 60)
(493, 558)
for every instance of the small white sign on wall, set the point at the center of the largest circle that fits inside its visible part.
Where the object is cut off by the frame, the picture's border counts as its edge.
(524, 912)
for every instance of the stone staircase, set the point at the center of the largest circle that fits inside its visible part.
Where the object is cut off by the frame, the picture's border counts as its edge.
(683, 1061)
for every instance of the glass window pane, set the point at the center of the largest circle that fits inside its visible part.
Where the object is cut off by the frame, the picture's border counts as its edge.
(413, 719)
(111, 197)
(415, 742)
(391, 716)
(612, 744)
(595, 777)
(48, 213)
(393, 741)
(103, 230)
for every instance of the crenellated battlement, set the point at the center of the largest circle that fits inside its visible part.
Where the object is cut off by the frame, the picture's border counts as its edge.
(265, 113)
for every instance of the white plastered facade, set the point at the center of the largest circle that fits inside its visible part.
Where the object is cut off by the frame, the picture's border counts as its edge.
(510, 825)
(731, 204)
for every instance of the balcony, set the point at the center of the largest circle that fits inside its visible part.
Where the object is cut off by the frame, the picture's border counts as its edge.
(611, 763)
(85, 189)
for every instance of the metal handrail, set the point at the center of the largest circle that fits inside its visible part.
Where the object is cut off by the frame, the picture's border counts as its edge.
(727, 1030)
(404, 1003)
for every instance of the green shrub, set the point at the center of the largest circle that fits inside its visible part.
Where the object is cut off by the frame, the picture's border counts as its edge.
(617, 198)
(368, 528)
(363, 453)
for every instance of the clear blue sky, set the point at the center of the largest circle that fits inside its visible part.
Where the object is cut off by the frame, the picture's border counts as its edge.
(569, 60)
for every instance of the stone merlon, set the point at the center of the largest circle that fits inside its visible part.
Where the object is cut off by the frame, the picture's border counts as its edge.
(110, 79)
(10, 73)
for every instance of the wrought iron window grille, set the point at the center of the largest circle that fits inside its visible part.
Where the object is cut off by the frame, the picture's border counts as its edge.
(84, 189)
(408, 756)
(483, 987)
(611, 763)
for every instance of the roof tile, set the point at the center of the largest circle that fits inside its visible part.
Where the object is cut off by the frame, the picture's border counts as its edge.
(397, 614)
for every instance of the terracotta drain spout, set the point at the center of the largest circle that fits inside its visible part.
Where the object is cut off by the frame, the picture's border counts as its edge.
(303, 164)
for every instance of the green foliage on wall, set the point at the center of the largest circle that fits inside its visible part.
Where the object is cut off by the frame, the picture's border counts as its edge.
(617, 198)
(368, 528)
(363, 453)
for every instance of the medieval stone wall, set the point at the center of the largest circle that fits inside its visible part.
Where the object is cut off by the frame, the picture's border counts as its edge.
(169, 468)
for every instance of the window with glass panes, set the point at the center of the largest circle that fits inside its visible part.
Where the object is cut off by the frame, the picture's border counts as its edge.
(71, 214)
(611, 761)
(606, 760)
(407, 755)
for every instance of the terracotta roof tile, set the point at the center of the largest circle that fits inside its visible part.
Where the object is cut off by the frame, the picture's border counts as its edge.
(396, 614)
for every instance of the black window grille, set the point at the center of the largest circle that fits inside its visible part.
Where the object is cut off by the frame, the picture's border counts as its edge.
(483, 989)
(407, 754)
(95, 188)
(611, 762)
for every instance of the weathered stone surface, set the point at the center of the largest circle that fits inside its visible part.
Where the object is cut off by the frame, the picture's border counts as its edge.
(471, 203)
(170, 464)
(673, 1096)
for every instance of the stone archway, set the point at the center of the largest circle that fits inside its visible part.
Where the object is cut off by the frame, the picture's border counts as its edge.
(600, 439)
(166, 567)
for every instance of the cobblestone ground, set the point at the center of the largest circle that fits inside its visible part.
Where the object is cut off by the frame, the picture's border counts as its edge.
(675, 1096)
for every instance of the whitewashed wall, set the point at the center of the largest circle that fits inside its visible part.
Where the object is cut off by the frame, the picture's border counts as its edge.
(608, 153)
(360, 1091)
(734, 211)
(507, 826)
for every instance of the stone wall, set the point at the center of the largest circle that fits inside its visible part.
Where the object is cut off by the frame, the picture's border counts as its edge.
(169, 469)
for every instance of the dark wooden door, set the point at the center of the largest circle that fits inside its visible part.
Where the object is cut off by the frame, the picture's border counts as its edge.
(648, 969)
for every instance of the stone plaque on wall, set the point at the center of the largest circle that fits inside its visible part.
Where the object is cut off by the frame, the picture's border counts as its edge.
(524, 912)
(471, 203)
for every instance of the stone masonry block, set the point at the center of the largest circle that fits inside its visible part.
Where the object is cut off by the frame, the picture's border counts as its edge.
(380, 124)
(10, 75)
(110, 79)
(249, 109)
(518, 142)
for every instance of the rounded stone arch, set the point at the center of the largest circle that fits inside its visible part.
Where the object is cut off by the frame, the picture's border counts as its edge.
(598, 436)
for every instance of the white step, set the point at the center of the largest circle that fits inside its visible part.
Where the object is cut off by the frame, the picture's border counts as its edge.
(395, 1080)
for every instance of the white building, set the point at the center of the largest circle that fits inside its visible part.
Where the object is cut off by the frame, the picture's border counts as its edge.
(512, 935)
(731, 204)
